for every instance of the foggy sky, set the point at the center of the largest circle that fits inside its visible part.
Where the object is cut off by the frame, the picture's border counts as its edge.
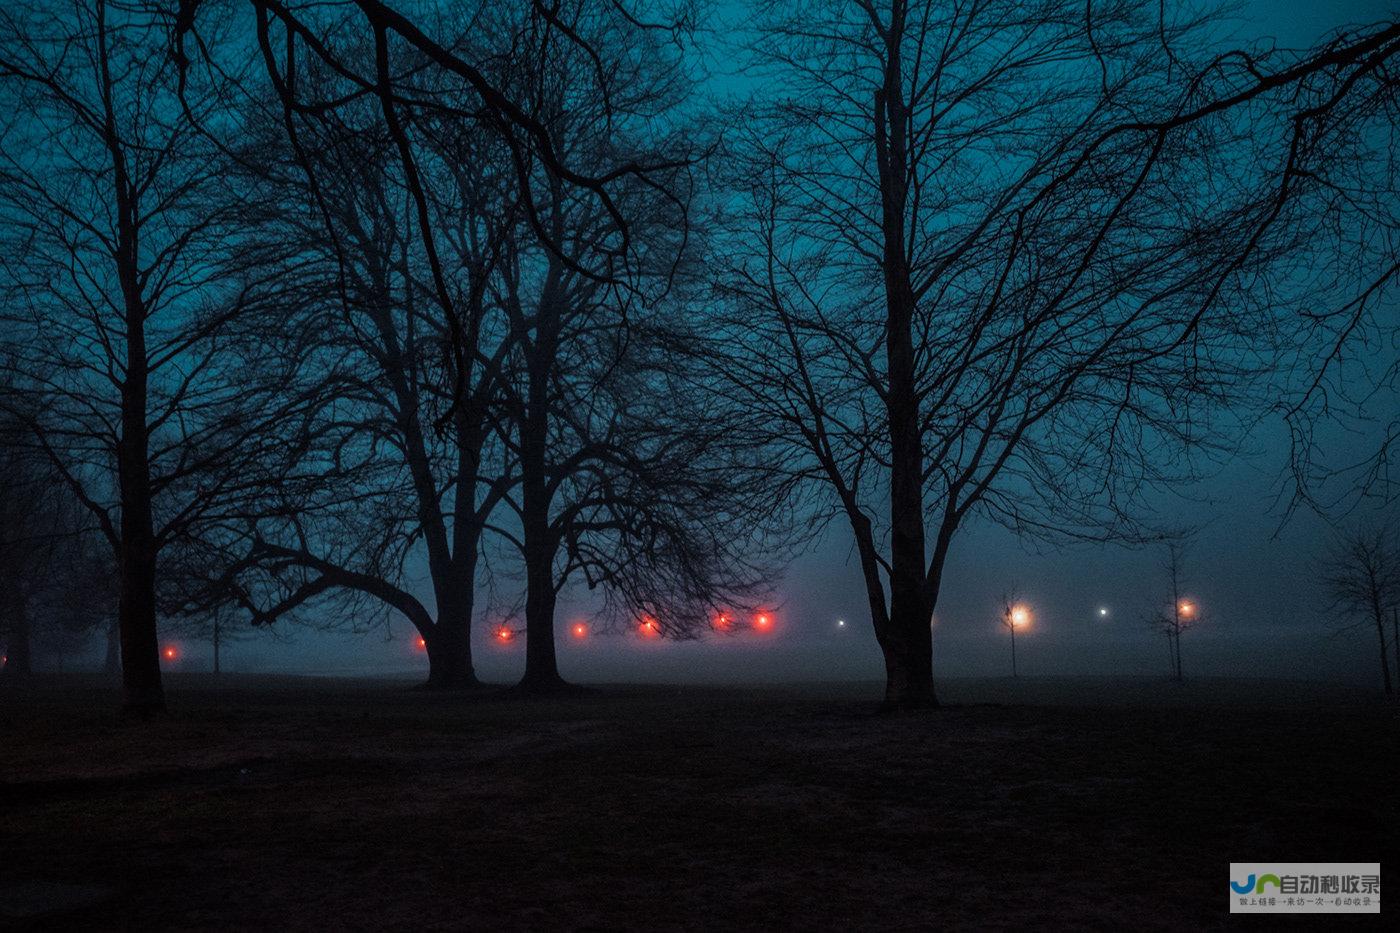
(1253, 576)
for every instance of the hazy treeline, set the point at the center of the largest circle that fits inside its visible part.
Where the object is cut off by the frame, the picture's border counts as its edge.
(300, 299)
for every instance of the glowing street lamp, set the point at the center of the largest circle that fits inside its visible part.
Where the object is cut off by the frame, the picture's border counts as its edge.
(170, 653)
(422, 643)
(504, 634)
(580, 630)
(763, 622)
(649, 628)
(1103, 612)
(840, 623)
(1187, 609)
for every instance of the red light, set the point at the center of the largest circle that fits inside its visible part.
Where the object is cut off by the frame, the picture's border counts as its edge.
(580, 630)
(649, 628)
(763, 621)
(422, 644)
(170, 653)
(504, 634)
(722, 623)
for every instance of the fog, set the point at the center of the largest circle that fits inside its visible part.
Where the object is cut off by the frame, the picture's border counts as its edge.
(1252, 567)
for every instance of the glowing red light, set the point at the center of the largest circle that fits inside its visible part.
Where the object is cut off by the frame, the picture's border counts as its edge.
(580, 630)
(763, 622)
(649, 628)
(170, 653)
(722, 622)
(422, 644)
(504, 634)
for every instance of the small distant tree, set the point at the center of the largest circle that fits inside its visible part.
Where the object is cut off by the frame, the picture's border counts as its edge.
(1183, 613)
(1361, 576)
(1014, 615)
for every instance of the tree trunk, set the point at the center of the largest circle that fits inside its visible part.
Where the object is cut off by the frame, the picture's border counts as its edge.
(1395, 635)
(1013, 649)
(18, 663)
(908, 644)
(540, 540)
(112, 664)
(1179, 675)
(908, 650)
(136, 550)
(216, 644)
(136, 612)
(449, 643)
(541, 665)
(1385, 659)
(141, 681)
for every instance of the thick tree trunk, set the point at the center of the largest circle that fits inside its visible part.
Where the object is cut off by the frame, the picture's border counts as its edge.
(541, 664)
(449, 644)
(136, 611)
(141, 681)
(18, 663)
(908, 651)
(540, 540)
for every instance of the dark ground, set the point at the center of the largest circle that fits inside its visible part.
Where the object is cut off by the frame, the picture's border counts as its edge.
(314, 804)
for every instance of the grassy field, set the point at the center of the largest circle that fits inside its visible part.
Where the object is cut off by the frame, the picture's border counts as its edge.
(315, 804)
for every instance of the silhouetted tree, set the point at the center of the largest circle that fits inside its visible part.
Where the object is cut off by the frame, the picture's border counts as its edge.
(1014, 615)
(961, 288)
(1361, 576)
(627, 481)
(126, 286)
(402, 450)
(1182, 613)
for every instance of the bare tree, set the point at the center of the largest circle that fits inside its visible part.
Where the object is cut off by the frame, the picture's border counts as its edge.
(128, 297)
(627, 479)
(403, 450)
(1361, 576)
(1182, 613)
(1014, 615)
(974, 293)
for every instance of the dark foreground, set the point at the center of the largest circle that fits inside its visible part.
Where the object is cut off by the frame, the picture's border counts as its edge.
(283, 803)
